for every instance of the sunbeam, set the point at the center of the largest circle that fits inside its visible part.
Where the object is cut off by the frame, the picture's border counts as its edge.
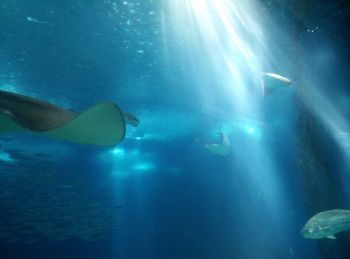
(226, 35)
(223, 40)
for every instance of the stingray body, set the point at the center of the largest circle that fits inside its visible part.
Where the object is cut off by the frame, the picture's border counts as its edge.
(222, 149)
(102, 124)
(33, 114)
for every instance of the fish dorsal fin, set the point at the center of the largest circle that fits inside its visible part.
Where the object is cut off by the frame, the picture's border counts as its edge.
(331, 237)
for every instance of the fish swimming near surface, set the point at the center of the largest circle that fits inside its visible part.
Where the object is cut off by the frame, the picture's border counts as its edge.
(102, 124)
(270, 81)
(327, 223)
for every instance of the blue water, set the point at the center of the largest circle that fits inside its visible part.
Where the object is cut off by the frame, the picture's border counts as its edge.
(182, 68)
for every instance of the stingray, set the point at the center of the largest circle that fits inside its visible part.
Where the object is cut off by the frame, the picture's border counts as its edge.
(270, 81)
(102, 124)
(223, 148)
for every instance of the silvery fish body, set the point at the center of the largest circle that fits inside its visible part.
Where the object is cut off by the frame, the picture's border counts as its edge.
(327, 223)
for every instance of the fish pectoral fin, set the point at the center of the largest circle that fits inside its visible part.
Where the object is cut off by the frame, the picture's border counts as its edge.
(331, 237)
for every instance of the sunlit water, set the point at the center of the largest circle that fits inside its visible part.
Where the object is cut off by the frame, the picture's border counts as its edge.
(187, 69)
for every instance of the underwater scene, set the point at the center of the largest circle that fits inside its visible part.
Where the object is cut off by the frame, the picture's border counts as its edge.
(174, 129)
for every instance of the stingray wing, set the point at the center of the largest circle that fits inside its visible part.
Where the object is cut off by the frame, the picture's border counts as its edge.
(102, 125)
(270, 81)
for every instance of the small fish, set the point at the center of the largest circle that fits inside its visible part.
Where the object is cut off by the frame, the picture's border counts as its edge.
(31, 19)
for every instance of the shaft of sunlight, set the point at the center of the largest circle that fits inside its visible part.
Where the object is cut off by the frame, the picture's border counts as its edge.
(336, 123)
(225, 33)
(223, 42)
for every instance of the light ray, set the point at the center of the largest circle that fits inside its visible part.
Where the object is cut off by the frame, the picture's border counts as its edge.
(224, 40)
